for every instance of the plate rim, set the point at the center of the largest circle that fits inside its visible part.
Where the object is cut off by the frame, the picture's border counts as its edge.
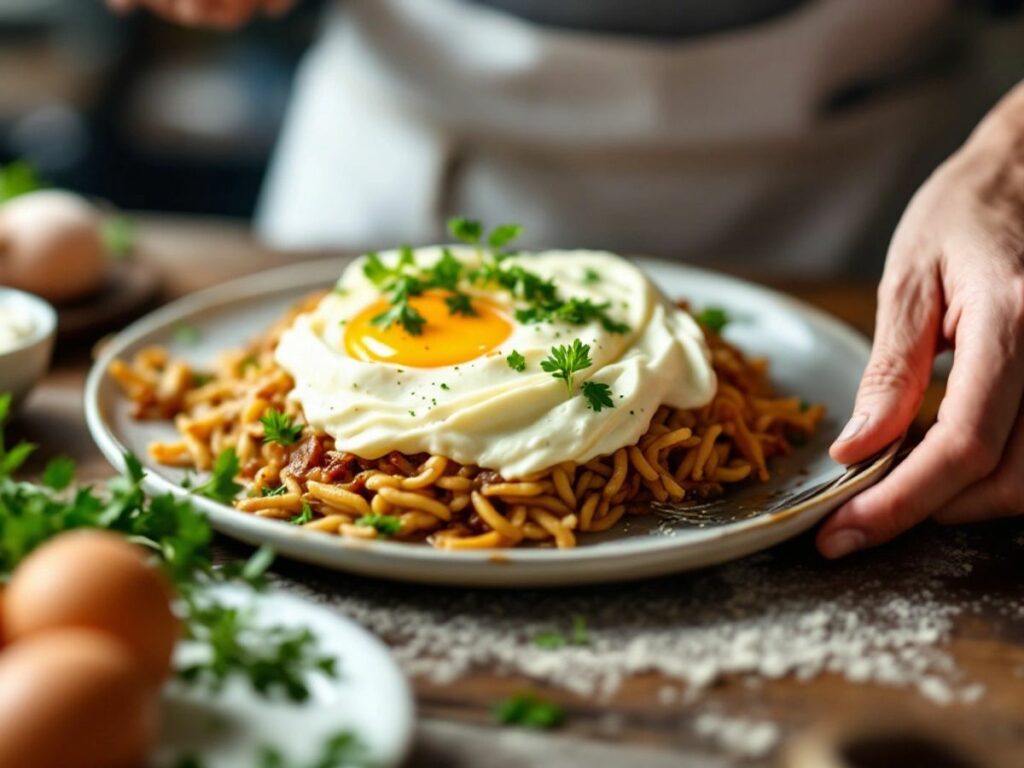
(288, 278)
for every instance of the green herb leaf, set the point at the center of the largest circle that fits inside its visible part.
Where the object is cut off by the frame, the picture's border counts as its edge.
(516, 361)
(385, 525)
(549, 640)
(222, 486)
(598, 395)
(403, 314)
(713, 318)
(579, 635)
(590, 276)
(118, 235)
(375, 270)
(279, 428)
(503, 234)
(529, 711)
(305, 517)
(447, 272)
(186, 334)
(460, 304)
(467, 230)
(16, 179)
(566, 361)
(59, 473)
(267, 491)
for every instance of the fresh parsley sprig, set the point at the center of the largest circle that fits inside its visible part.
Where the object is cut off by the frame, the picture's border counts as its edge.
(713, 318)
(279, 428)
(529, 710)
(565, 361)
(385, 525)
(516, 361)
(221, 485)
(598, 395)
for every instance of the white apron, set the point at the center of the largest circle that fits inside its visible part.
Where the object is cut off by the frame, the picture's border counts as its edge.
(716, 149)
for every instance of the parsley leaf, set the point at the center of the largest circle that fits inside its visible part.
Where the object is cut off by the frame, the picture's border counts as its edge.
(305, 517)
(59, 473)
(530, 711)
(279, 428)
(549, 640)
(566, 361)
(598, 395)
(503, 234)
(516, 361)
(590, 277)
(16, 179)
(553, 639)
(385, 525)
(186, 334)
(375, 270)
(403, 314)
(467, 230)
(713, 318)
(460, 304)
(266, 491)
(446, 272)
(222, 486)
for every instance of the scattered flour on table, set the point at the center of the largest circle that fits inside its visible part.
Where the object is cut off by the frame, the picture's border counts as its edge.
(879, 619)
(738, 736)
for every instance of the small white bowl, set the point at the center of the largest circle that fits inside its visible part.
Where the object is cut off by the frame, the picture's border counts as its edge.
(23, 365)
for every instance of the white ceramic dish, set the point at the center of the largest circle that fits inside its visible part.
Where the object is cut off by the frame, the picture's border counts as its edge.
(24, 364)
(812, 355)
(229, 728)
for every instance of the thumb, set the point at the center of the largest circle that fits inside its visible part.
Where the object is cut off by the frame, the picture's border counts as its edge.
(894, 382)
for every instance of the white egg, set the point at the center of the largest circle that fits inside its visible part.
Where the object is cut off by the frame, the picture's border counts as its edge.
(451, 390)
(51, 245)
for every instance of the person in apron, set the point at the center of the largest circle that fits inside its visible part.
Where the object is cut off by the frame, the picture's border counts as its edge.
(773, 132)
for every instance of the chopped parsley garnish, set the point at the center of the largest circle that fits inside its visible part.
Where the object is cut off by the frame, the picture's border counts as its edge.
(385, 525)
(469, 231)
(713, 318)
(306, 516)
(565, 362)
(267, 491)
(342, 750)
(583, 311)
(445, 386)
(529, 710)
(503, 234)
(222, 486)
(446, 272)
(186, 334)
(403, 314)
(516, 361)
(59, 473)
(590, 276)
(16, 179)
(279, 428)
(459, 304)
(598, 395)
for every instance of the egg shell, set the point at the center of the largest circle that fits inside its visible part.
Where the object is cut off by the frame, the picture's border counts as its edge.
(51, 245)
(97, 580)
(74, 698)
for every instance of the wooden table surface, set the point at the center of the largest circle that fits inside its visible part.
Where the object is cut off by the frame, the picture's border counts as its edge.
(648, 719)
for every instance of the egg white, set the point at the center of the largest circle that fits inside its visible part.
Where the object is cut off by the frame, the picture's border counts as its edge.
(483, 412)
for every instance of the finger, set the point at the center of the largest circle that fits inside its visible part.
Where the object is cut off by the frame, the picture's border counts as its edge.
(894, 382)
(962, 448)
(1000, 495)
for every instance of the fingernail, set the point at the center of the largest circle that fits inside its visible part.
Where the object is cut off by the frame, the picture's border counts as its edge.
(842, 543)
(853, 426)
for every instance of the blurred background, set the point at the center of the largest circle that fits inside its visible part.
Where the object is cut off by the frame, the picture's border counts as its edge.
(145, 114)
(153, 117)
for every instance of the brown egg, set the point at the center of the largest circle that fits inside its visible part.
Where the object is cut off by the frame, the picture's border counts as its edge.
(97, 580)
(51, 245)
(74, 698)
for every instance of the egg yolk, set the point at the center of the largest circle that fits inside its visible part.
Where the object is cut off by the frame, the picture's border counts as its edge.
(446, 338)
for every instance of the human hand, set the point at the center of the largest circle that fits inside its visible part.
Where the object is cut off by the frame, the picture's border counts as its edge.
(220, 14)
(954, 276)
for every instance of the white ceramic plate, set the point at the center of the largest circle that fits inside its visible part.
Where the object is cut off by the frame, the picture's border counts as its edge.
(228, 729)
(811, 354)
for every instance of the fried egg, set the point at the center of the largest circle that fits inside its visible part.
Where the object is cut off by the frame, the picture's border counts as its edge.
(471, 385)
